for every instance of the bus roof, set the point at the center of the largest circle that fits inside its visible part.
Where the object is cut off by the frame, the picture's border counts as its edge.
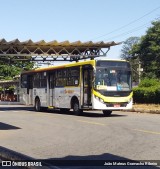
(72, 64)
(43, 69)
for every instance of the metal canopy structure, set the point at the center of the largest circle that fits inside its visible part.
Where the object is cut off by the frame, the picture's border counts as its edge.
(53, 51)
(8, 83)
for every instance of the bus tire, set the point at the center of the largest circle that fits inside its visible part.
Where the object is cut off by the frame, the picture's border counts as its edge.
(77, 111)
(107, 112)
(37, 105)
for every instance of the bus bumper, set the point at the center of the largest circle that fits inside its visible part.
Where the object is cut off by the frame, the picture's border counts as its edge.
(98, 104)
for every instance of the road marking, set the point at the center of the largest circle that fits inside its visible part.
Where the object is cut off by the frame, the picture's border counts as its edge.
(101, 124)
(146, 131)
(64, 118)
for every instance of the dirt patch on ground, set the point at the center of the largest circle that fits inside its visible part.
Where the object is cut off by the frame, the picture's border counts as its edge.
(147, 106)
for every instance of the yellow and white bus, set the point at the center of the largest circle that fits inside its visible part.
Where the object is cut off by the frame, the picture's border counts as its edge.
(98, 84)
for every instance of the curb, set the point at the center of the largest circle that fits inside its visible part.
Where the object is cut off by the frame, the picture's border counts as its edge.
(10, 103)
(10, 155)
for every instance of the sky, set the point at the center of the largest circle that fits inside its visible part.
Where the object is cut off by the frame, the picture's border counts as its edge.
(72, 20)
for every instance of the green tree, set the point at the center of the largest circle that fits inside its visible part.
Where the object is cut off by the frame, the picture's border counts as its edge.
(148, 51)
(127, 47)
(9, 69)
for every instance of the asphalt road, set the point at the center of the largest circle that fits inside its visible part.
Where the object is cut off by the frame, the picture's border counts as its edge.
(57, 136)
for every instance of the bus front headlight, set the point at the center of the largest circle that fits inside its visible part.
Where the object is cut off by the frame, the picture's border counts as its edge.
(129, 100)
(99, 99)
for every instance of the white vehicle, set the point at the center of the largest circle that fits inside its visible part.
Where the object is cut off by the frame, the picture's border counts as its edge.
(88, 85)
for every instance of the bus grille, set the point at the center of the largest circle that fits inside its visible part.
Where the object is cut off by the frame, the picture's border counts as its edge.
(116, 104)
(115, 93)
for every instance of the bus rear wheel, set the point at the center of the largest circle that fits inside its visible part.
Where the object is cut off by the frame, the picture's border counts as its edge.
(77, 111)
(37, 105)
(107, 112)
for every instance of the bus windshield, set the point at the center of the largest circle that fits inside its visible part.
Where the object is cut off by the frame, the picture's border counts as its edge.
(112, 79)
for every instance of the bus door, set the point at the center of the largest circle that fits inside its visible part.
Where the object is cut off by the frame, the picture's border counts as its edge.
(30, 89)
(52, 89)
(87, 84)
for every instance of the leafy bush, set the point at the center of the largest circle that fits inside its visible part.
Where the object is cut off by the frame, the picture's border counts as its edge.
(148, 91)
(149, 82)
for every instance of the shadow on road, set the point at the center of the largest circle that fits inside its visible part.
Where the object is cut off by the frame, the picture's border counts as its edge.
(93, 114)
(15, 108)
(80, 162)
(4, 126)
(105, 160)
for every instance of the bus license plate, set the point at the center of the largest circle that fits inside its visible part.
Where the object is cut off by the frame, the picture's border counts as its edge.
(116, 105)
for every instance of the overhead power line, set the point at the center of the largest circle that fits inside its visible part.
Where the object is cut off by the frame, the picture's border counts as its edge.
(130, 31)
(127, 24)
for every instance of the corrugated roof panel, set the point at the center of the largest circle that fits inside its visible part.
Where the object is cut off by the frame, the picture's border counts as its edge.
(56, 43)
(15, 41)
(89, 43)
(2, 41)
(27, 42)
(78, 43)
(52, 43)
(41, 43)
(100, 43)
(65, 43)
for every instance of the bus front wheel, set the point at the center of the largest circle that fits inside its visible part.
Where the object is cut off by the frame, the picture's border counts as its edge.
(77, 111)
(107, 112)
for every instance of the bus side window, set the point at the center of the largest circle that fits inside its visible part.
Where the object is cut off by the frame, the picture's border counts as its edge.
(24, 81)
(30, 82)
(73, 76)
(52, 81)
(43, 80)
(36, 80)
(61, 78)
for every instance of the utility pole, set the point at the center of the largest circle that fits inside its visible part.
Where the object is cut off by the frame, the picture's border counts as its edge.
(139, 70)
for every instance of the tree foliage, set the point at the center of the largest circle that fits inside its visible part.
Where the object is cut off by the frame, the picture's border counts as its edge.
(8, 70)
(148, 51)
(127, 47)
(127, 55)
